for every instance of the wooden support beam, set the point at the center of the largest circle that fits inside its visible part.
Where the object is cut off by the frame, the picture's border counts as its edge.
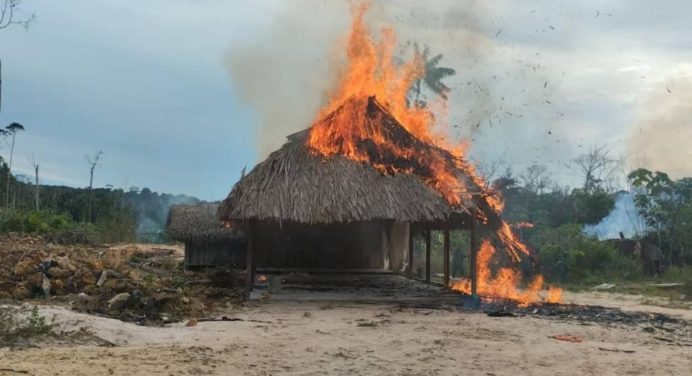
(410, 251)
(473, 257)
(249, 261)
(446, 257)
(427, 254)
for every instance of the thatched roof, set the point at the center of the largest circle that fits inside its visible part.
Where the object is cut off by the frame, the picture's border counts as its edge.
(200, 221)
(295, 184)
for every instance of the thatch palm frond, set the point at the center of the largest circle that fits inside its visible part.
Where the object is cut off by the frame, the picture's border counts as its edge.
(433, 80)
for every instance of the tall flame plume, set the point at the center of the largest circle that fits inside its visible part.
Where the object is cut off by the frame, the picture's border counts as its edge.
(371, 72)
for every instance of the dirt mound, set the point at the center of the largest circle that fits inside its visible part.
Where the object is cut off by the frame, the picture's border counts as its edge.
(141, 283)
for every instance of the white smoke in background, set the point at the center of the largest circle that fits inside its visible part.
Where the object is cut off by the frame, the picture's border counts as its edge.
(662, 137)
(285, 73)
(151, 212)
(623, 218)
(535, 82)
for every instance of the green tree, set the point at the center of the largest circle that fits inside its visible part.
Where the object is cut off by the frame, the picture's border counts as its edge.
(432, 76)
(590, 208)
(666, 207)
(10, 131)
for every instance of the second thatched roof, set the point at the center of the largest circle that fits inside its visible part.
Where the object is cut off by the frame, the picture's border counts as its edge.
(197, 222)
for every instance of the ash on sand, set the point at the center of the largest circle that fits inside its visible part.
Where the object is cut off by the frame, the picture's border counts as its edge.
(145, 284)
(670, 329)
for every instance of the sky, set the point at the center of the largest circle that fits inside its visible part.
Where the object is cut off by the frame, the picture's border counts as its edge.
(181, 95)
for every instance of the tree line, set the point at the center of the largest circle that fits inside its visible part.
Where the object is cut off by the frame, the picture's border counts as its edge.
(557, 217)
(105, 214)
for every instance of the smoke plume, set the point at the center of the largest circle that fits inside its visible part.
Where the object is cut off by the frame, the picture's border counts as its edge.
(502, 90)
(662, 139)
(622, 219)
(284, 75)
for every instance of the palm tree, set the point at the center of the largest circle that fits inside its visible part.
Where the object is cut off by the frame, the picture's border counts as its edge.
(10, 130)
(432, 76)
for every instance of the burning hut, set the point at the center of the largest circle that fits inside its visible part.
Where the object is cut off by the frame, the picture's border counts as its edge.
(304, 211)
(351, 191)
(207, 242)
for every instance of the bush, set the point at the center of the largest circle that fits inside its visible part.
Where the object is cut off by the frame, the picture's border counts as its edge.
(82, 233)
(39, 222)
(591, 208)
(12, 328)
(567, 255)
(61, 228)
(683, 275)
(116, 229)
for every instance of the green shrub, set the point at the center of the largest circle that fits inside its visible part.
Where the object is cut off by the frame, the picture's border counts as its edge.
(61, 228)
(38, 222)
(683, 275)
(115, 229)
(14, 328)
(567, 255)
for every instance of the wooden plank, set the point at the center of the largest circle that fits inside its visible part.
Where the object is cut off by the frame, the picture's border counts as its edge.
(249, 261)
(427, 254)
(445, 283)
(410, 250)
(188, 254)
(473, 257)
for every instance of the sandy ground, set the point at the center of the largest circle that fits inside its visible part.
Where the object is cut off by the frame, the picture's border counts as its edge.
(313, 338)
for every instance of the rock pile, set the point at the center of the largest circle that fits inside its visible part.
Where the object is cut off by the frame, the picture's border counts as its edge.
(133, 283)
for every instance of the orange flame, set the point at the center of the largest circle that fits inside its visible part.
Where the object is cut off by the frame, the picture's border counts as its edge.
(342, 128)
(554, 295)
(504, 284)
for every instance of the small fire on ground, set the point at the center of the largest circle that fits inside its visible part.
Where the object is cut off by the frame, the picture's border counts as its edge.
(505, 283)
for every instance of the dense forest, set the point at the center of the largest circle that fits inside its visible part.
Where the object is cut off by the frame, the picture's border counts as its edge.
(560, 224)
(612, 227)
(116, 215)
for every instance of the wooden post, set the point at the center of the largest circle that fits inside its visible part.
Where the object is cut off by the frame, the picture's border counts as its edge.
(474, 256)
(427, 254)
(410, 250)
(446, 256)
(249, 262)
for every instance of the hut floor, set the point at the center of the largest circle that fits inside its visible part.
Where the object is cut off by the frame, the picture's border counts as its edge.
(358, 287)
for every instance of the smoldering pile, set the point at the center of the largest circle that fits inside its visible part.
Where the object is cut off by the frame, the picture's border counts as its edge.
(661, 327)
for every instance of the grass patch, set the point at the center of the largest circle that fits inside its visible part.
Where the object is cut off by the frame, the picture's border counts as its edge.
(14, 327)
(643, 285)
